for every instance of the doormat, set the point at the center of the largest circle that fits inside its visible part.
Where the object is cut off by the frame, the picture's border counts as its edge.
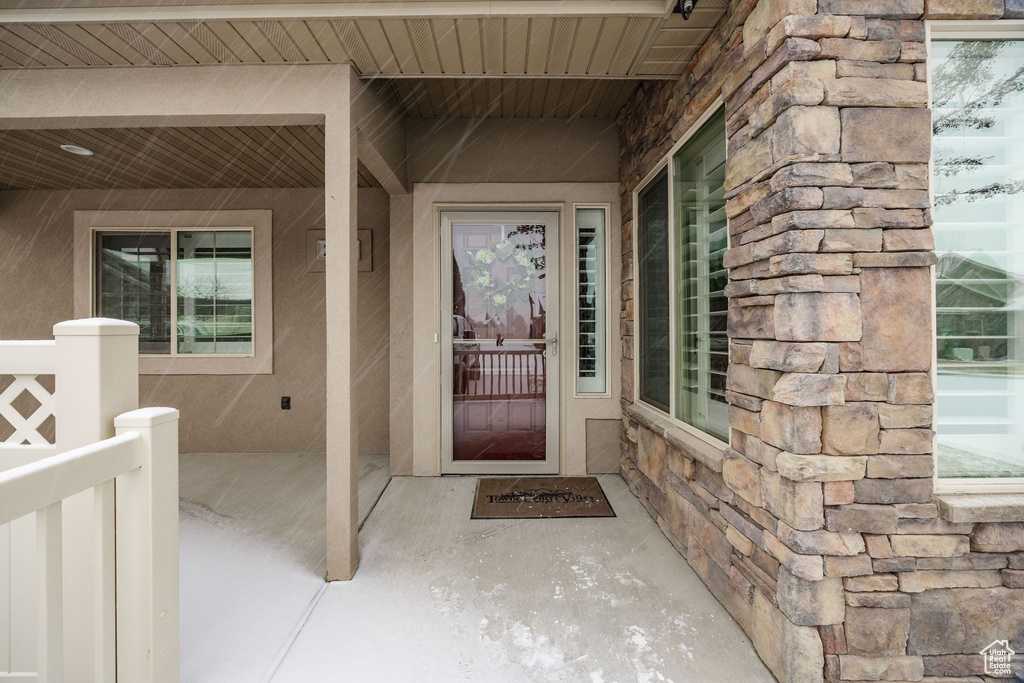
(540, 497)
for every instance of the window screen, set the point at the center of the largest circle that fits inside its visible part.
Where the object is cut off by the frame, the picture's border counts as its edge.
(653, 274)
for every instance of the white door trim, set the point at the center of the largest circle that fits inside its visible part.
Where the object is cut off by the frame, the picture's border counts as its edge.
(551, 218)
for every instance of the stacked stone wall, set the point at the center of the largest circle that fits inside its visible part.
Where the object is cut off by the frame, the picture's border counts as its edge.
(818, 529)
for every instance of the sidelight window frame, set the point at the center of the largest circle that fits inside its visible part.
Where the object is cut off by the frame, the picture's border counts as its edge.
(598, 386)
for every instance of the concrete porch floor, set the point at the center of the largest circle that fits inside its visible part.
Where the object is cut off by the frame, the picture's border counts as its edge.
(438, 596)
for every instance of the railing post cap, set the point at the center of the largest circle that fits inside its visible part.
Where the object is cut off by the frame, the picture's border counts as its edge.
(145, 417)
(93, 327)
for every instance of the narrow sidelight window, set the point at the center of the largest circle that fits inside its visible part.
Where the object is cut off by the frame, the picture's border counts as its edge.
(591, 304)
(978, 180)
(701, 238)
(653, 274)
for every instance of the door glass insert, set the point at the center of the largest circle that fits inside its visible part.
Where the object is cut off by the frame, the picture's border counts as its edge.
(499, 361)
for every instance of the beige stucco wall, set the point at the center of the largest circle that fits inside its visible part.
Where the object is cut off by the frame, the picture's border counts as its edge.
(219, 413)
(372, 374)
(513, 150)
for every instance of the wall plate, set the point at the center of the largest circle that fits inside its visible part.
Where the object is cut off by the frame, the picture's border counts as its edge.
(313, 264)
(315, 250)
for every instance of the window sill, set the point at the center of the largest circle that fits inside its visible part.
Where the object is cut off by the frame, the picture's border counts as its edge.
(981, 507)
(693, 446)
(206, 365)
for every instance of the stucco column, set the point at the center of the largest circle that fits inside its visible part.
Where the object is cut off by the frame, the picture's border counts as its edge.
(340, 290)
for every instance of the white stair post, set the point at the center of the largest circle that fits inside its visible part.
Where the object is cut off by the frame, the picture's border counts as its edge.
(97, 379)
(147, 552)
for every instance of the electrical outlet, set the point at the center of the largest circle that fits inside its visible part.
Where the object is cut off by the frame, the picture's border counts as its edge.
(286, 403)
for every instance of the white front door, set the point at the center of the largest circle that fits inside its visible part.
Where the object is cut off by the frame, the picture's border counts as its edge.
(499, 342)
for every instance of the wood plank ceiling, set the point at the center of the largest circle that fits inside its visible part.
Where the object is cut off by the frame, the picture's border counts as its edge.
(461, 65)
(581, 46)
(141, 158)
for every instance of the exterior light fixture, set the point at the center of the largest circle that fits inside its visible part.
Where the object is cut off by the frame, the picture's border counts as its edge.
(686, 8)
(75, 149)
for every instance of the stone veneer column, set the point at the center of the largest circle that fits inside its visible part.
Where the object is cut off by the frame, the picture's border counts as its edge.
(818, 529)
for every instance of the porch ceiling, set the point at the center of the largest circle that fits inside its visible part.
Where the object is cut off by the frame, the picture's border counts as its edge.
(417, 38)
(145, 158)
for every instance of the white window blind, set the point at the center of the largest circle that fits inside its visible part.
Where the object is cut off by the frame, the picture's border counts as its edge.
(591, 304)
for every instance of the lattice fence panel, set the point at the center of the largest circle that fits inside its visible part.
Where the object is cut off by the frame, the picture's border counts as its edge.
(26, 426)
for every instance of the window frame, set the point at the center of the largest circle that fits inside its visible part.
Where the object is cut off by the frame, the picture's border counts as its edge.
(90, 224)
(605, 323)
(960, 29)
(666, 165)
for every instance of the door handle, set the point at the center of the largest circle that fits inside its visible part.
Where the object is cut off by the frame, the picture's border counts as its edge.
(552, 342)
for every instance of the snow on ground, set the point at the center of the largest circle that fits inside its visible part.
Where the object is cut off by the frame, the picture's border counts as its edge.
(241, 600)
(252, 557)
(441, 597)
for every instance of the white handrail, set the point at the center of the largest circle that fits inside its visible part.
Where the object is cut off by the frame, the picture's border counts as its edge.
(28, 357)
(42, 483)
(106, 523)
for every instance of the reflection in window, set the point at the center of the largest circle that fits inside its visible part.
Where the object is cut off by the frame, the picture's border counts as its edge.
(134, 284)
(653, 285)
(702, 354)
(978, 148)
(214, 288)
(215, 292)
(499, 281)
(499, 367)
(590, 300)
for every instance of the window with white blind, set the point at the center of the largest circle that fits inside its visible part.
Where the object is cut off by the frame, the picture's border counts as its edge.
(199, 284)
(681, 308)
(978, 180)
(701, 238)
(591, 300)
(190, 291)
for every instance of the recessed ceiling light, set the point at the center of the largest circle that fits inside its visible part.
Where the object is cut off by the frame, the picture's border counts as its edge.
(75, 149)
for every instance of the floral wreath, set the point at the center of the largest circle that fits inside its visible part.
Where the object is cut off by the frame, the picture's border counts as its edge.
(524, 271)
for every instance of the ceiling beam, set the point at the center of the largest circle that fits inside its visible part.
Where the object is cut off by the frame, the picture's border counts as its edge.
(132, 97)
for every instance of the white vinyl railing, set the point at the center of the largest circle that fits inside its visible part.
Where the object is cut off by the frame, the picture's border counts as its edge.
(88, 524)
